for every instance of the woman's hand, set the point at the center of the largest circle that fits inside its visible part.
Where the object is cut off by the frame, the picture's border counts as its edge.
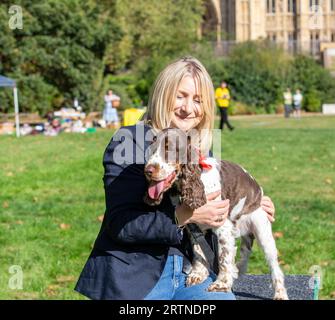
(214, 213)
(268, 206)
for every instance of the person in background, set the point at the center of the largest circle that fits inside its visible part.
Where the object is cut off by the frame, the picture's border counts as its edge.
(53, 128)
(110, 113)
(76, 104)
(287, 102)
(222, 97)
(50, 117)
(297, 100)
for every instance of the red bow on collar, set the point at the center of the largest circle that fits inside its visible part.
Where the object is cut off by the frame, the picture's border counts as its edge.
(202, 161)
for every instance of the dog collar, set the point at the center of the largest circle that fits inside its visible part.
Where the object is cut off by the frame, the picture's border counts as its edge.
(202, 162)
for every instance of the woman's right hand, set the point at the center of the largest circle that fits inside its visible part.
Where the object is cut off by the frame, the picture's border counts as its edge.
(213, 214)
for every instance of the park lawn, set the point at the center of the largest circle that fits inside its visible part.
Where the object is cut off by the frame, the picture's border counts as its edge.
(52, 197)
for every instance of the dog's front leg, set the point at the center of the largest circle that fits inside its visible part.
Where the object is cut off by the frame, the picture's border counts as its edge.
(200, 266)
(226, 251)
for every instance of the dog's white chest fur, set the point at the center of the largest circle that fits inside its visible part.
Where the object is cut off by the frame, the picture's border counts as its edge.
(211, 177)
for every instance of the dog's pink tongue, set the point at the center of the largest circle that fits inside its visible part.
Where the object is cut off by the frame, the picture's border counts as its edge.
(155, 189)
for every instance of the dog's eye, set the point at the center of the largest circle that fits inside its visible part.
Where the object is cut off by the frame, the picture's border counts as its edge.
(154, 139)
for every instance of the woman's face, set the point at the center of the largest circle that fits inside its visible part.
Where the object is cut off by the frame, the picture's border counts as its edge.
(187, 112)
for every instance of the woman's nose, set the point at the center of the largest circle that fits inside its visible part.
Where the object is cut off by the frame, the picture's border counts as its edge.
(187, 106)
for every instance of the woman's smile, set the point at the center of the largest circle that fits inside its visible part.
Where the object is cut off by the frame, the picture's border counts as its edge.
(184, 117)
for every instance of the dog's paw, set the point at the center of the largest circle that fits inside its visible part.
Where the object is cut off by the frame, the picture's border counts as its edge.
(195, 278)
(220, 285)
(280, 294)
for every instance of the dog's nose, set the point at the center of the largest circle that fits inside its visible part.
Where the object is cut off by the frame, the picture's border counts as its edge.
(149, 170)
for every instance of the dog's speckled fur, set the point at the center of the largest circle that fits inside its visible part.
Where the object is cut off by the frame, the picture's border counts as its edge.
(246, 217)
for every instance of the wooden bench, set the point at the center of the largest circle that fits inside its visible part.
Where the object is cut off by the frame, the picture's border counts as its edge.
(259, 287)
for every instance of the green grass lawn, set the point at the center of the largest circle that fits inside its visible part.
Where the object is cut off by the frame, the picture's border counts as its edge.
(52, 195)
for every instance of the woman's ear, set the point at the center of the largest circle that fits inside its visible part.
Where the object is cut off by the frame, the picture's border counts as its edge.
(192, 188)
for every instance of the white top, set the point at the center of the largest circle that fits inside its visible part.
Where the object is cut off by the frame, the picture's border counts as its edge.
(297, 98)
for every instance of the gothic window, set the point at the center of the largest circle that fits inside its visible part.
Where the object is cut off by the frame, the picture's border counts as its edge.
(315, 36)
(315, 42)
(332, 5)
(292, 37)
(291, 6)
(271, 36)
(271, 6)
(292, 42)
(314, 3)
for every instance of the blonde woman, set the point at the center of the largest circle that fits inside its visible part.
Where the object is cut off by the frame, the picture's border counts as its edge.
(141, 251)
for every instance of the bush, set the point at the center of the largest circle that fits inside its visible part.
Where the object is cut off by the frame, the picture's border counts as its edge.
(254, 77)
(240, 108)
(271, 108)
(257, 74)
(313, 80)
(34, 95)
(312, 101)
(58, 55)
(280, 109)
(128, 88)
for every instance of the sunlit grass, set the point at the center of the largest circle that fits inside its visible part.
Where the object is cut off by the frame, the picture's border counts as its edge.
(52, 195)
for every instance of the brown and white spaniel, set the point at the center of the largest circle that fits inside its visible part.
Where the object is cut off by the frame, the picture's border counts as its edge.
(174, 160)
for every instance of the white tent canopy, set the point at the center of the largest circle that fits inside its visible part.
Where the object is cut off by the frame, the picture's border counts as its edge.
(7, 82)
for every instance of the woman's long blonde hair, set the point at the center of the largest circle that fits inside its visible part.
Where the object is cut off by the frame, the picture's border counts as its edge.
(163, 97)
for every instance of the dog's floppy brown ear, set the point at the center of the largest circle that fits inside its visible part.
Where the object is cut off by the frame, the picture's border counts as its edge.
(192, 188)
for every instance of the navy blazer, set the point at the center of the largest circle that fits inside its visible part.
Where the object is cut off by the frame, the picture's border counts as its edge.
(131, 248)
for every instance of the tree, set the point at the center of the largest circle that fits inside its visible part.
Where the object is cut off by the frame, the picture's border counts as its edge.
(59, 52)
(315, 82)
(69, 48)
(155, 32)
(257, 73)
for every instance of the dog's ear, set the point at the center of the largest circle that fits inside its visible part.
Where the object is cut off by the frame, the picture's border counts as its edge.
(192, 188)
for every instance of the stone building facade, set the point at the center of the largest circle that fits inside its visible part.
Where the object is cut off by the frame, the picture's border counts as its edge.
(298, 25)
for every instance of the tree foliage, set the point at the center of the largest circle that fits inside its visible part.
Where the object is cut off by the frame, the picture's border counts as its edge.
(58, 53)
(68, 48)
(258, 72)
(79, 48)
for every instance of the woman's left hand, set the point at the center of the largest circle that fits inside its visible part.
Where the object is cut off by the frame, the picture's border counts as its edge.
(268, 206)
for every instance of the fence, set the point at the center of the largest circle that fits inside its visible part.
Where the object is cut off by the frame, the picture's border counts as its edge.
(292, 46)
